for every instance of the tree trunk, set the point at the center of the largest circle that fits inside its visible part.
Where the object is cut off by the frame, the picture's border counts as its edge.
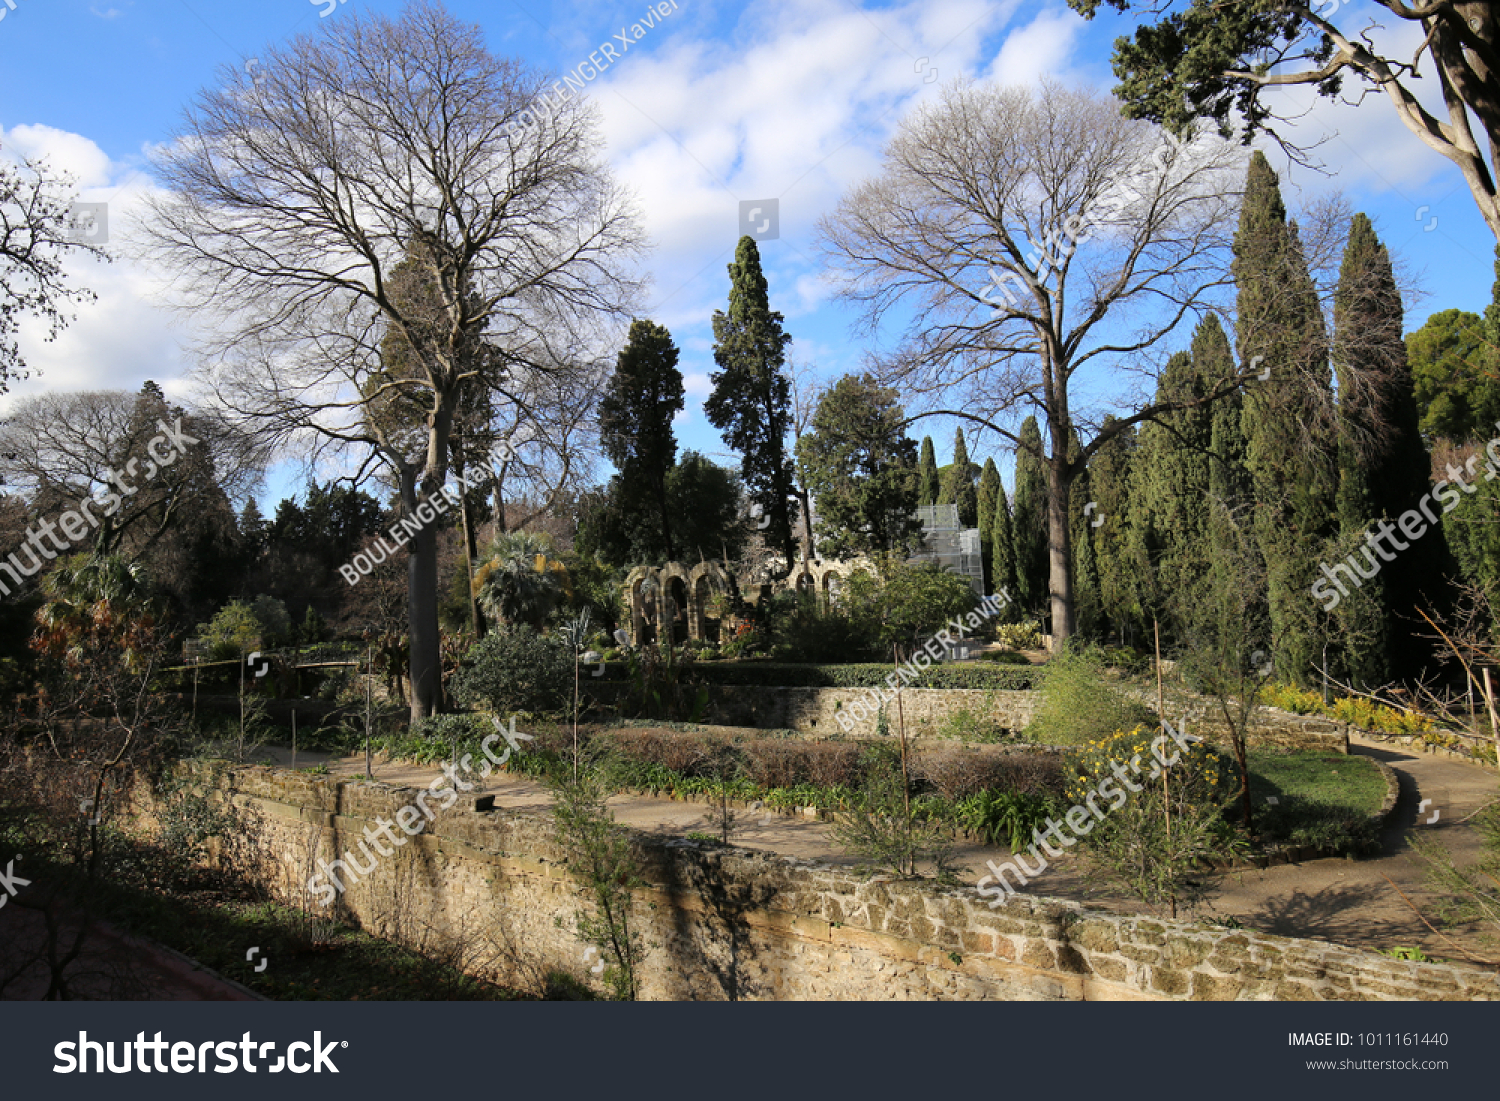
(809, 551)
(471, 552)
(421, 608)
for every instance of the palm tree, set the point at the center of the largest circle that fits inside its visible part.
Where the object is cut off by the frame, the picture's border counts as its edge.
(519, 581)
(92, 597)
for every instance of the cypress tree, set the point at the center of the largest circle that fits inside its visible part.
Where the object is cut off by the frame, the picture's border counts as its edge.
(751, 403)
(989, 490)
(1230, 502)
(928, 489)
(1003, 552)
(1110, 477)
(1029, 522)
(635, 420)
(1169, 515)
(1382, 465)
(958, 486)
(1081, 520)
(1289, 451)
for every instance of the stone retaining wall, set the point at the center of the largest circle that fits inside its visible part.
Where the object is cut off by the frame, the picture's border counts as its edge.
(815, 712)
(739, 925)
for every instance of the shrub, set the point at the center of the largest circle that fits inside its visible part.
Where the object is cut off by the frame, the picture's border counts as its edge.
(1080, 705)
(747, 640)
(833, 764)
(1202, 775)
(1004, 657)
(956, 773)
(1125, 657)
(1020, 636)
(766, 674)
(1138, 844)
(774, 763)
(685, 754)
(432, 739)
(514, 669)
(966, 726)
(803, 629)
(1033, 774)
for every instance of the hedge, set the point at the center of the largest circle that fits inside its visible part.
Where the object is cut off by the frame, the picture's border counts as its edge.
(770, 674)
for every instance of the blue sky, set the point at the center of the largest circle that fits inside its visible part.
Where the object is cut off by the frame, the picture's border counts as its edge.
(719, 103)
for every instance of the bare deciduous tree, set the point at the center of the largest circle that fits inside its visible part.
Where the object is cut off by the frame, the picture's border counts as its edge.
(291, 203)
(987, 191)
(61, 449)
(36, 231)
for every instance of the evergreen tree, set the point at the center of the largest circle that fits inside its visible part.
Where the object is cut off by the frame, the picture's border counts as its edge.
(1458, 394)
(928, 488)
(861, 468)
(958, 485)
(252, 529)
(1110, 478)
(635, 419)
(751, 403)
(1030, 520)
(1169, 517)
(1289, 449)
(1081, 519)
(1230, 503)
(989, 491)
(1382, 464)
(1003, 556)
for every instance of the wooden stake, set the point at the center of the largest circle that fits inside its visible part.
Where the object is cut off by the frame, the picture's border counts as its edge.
(1489, 702)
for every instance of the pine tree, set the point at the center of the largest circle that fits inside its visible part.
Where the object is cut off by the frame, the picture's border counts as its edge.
(1382, 465)
(928, 489)
(1289, 449)
(861, 469)
(989, 491)
(958, 485)
(751, 403)
(1003, 551)
(1030, 521)
(635, 420)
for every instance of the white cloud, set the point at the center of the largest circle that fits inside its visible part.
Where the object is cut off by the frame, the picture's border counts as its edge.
(1044, 47)
(122, 338)
(697, 384)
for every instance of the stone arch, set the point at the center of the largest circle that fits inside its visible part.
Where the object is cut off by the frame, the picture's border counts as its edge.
(673, 606)
(642, 589)
(707, 579)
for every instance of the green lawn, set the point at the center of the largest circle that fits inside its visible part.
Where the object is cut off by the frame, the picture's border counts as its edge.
(1353, 783)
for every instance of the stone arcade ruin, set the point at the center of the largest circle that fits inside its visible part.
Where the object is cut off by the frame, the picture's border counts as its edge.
(686, 603)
